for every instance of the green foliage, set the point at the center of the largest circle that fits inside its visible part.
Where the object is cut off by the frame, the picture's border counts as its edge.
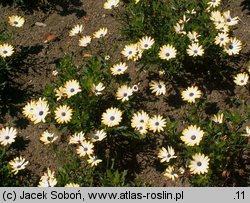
(7, 179)
(71, 169)
(85, 105)
(222, 143)
(114, 178)
(157, 18)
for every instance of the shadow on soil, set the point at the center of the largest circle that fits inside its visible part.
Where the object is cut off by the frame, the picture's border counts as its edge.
(245, 5)
(63, 7)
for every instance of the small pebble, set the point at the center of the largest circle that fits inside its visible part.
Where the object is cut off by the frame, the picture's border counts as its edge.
(40, 24)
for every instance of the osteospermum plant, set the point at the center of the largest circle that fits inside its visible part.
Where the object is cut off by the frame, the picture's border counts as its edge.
(94, 104)
(178, 42)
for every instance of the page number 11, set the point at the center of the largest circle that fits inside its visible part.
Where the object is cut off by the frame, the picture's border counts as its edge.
(240, 195)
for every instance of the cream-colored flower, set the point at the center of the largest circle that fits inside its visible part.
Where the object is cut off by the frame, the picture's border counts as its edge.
(40, 111)
(142, 129)
(199, 164)
(222, 28)
(217, 17)
(7, 135)
(97, 89)
(86, 148)
(192, 135)
(193, 36)
(54, 72)
(184, 19)
(167, 52)
(6, 50)
(119, 68)
(76, 30)
(247, 134)
(214, 3)
(72, 87)
(190, 94)
(241, 79)
(48, 138)
(107, 57)
(16, 21)
(84, 41)
(123, 93)
(63, 114)
(181, 170)
(130, 51)
(146, 42)
(229, 20)
(170, 173)
(135, 88)
(157, 123)
(110, 4)
(179, 29)
(221, 39)
(28, 109)
(17, 164)
(218, 118)
(139, 52)
(193, 11)
(72, 185)
(59, 93)
(157, 87)
(77, 138)
(98, 135)
(195, 50)
(93, 161)
(112, 117)
(140, 118)
(166, 155)
(233, 47)
(48, 179)
(101, 32)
